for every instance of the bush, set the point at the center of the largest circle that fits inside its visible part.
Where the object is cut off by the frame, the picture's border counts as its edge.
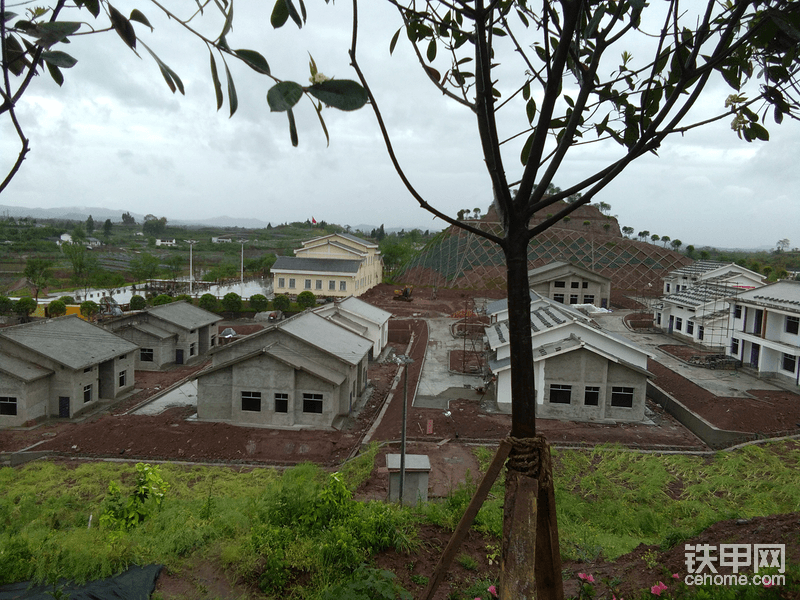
(208, 302)
(89, 309)
(67, 299)
(232, 302)
(259, 302)
(56, 308)
(306, 299)
(183, 297)
(281, 302)
(25, 306)
(7, 305)
(138, 302)
(162, 299)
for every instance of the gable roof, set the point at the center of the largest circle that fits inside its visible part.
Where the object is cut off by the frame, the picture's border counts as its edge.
(327, 336)
(558, 268)
(22, 369)
(299, 264)
(702, 293)
(364, 310)
(346, 236)
(184, 315)
(69, 340)
(781, 295)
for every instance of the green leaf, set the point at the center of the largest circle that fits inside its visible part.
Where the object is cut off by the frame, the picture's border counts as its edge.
(59, 59)
(228, 25)
(55, 73)
(591, 28)
(530, 109)
(52, 33)
(526, 149)
(138, 16)
(92, 5)
(393, 43)
(294, 14)
(123, 27)
(318, 108)
(343, 94)
(431, 50)
(16, 55)
(283, 96)
(292, 128)
(215, 79)
(8, 15)
(254, 60)
(233, 99)
(173, 81)
(759, 132)
(280, 14)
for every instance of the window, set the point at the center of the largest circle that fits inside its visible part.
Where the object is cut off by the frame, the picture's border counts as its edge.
(122, 378)
(281, 403)
(281, 282)
(591, 396)
(192, 348)
(318, 284)
(560, 394)
(560, 284)
(342, 286)
(573, 298)
(8, 405)
(559, 298)
(308, 284)
(701, 332)
(87, 393)
(312, 403)
(146, 354)
(735, 346)
(622, 397)
(792, 324)
(585, 285)
(667, 288)
(251, 401)
(789, 363)
(588, 298)
(291, 283)
(690, 327)
(87, 370)
(332, 285)
(737, 311)
(574, 284)
(678, 323)
(213, 340)
(123, 357)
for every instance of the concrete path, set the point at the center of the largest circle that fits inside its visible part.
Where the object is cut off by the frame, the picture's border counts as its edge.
(728, 383)
(437, 385)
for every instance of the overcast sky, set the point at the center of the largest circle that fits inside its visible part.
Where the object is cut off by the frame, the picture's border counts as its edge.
(114, 136)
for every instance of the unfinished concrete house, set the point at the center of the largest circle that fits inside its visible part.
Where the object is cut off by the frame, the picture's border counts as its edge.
(176, 333)
(60, 367)
(359, 317)
(305, 372)
(583, 373)
(570, 284)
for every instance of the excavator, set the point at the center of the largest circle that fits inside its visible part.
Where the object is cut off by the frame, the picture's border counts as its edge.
(404, 294)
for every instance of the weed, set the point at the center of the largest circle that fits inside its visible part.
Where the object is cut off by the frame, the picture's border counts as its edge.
(493, 553)
(650, 559)
(419, 579)
(466, 561)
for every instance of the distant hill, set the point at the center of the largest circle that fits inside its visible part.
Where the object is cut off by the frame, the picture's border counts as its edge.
(81, 213)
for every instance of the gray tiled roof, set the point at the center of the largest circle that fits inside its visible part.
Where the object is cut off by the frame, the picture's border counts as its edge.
(21, 369)
(328, 337)
(783, 294)
(299, 264)
(697, 268)
(70, 341)
(184, 314)
(153, 330)
(366, 310)
(702, 293)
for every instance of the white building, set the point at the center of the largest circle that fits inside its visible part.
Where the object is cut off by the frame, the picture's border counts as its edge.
(359, 317)
(765, 332)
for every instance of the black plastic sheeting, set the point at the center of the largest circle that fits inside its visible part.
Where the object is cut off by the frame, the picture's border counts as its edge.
(137, 583)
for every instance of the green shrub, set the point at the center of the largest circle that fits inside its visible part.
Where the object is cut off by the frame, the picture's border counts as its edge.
(138, 302)
(25, 306)
(208, 302)
(232, 302)
(306, 300)
(368, 584)
(281, 302)
(162, 299)
(259, 302)
(124, 513)
(67, 299)
(89, 308)
(7, 305)
(56, 308)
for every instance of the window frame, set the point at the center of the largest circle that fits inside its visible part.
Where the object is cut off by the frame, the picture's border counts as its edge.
(7, 405)
(794, 329)
(332, 285)
(144, 353)
(249, 397)
(87, 393)
(787, 359)
(593, 390)
(312, 402)
(122, 378)
(558, 298)
(281, 282)
(563, 393)
(283, 399)
(622, 391)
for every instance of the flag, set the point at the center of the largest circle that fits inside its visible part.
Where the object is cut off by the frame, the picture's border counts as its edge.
(313, 221)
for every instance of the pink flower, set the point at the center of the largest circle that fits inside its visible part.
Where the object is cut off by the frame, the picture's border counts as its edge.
(676, 576)
(492, 590)
(768, 585)
(658, 588)
(585, 577)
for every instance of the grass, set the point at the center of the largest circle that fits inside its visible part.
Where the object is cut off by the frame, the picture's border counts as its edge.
(263, 524)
